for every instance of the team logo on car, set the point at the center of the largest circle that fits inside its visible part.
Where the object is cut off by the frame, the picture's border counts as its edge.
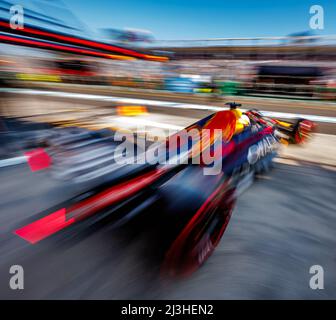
(261, 149)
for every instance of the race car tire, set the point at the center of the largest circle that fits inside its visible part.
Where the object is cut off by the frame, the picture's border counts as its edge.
(303, 130)
(194, 224)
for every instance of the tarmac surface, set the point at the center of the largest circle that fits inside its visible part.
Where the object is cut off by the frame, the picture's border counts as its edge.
(282, 225)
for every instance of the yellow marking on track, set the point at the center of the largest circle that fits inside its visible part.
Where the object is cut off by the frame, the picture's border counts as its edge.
(38, 77)
(131, 110)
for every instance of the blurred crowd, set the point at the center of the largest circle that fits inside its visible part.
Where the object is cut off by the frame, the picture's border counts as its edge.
(290, 78)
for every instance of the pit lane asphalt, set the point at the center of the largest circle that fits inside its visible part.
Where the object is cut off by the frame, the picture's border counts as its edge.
(281, 226)
(69, 107)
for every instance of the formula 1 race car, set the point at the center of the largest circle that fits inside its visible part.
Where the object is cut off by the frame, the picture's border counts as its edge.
(179, 192)
(295, 132)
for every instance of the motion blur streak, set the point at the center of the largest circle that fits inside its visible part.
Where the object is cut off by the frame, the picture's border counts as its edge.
(46, 45)
(169, 104)
(114, 194)
(72, 40)
(78, 41)
(63, 218)
(45, 227)
(123, 157)
(176, 249)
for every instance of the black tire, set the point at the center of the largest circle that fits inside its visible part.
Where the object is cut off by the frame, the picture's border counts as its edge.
(197, 211)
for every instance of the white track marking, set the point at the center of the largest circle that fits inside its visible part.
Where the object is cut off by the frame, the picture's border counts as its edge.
(156, 103)
(12, 161)
(148, 123)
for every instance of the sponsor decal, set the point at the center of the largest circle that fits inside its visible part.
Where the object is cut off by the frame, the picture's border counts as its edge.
(261, 149)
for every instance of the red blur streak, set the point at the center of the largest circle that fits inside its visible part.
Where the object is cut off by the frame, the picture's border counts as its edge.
(175, 250)
(79, 41)
(186, 231)
(54, 46)
(38, 159)
(54, 222)
(76, 72)
(68, 72)
(228, 148)
(44, 227)
(114, 194)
